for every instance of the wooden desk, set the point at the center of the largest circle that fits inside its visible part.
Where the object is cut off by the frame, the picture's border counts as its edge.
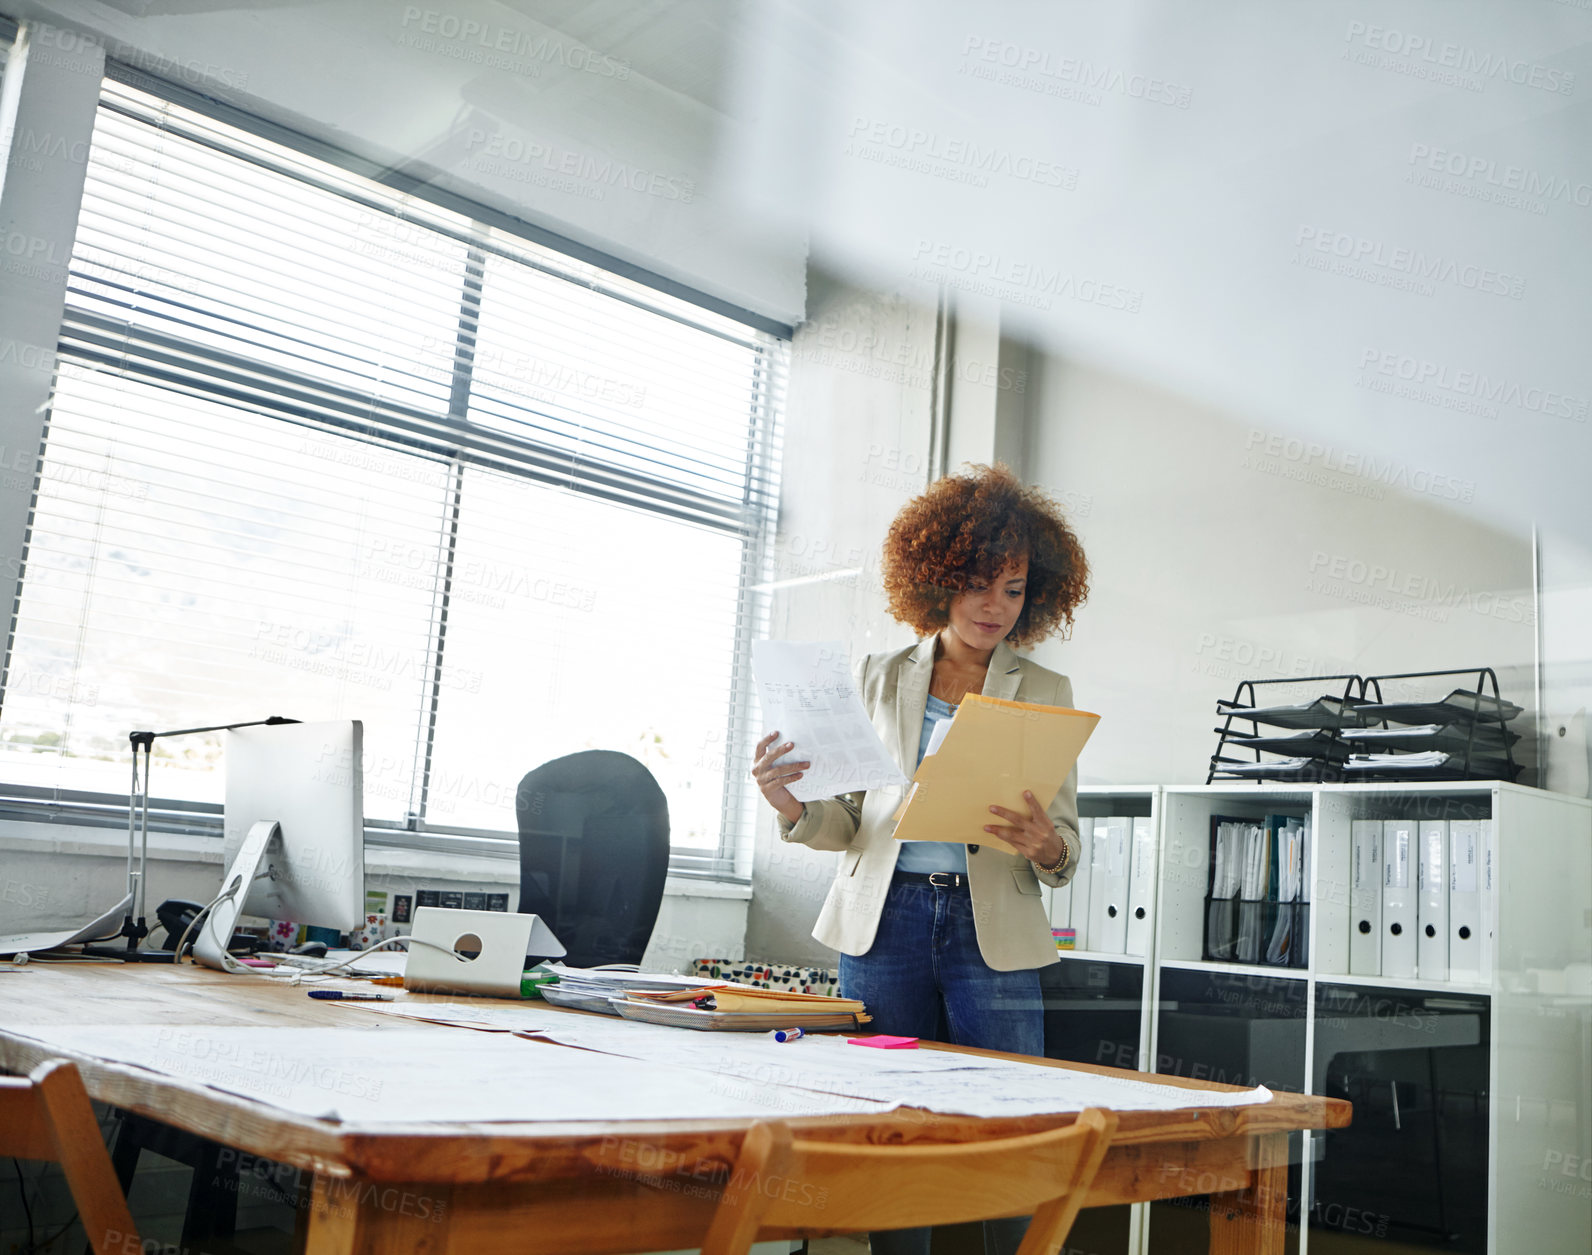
(617, 1187)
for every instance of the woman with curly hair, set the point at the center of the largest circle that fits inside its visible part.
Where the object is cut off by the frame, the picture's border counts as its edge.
(939, 940)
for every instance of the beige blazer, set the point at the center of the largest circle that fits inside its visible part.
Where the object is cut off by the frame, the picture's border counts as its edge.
(1008, 912)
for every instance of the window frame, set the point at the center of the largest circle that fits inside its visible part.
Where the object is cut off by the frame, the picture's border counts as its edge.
(754, 519)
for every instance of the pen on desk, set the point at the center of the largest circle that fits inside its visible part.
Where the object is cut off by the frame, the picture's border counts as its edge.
(345, 995)
(787, 1034)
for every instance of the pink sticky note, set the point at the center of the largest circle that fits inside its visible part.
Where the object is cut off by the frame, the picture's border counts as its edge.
(885, 1043)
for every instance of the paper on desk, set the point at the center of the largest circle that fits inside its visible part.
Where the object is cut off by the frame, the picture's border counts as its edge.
(818, 1051)
(994, 750)
(937, 1080)
(107, 925)
(821, 1064)
(780, 1071)
(409, 1075)
(494, 1016)
(807, 694)
(1019, 1089)
(379, 963)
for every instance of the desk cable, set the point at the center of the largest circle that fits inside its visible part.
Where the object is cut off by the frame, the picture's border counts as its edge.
(292, 977)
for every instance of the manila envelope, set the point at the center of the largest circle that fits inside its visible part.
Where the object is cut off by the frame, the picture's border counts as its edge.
(994, 750)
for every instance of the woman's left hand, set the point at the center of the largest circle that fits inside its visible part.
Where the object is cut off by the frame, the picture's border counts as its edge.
(1031, 835)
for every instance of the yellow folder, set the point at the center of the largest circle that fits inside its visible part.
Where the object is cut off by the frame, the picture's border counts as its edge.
(994, 750)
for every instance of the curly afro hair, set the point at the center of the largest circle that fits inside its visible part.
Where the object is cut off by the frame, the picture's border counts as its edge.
(965, 529)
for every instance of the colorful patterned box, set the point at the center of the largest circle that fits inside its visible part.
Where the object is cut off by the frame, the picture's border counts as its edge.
(803, 980)
(374, 928)
(1066, 938)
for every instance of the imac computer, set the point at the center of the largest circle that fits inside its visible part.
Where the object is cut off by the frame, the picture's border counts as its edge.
(295, 831)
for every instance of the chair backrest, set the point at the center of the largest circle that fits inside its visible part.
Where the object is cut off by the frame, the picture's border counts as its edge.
(780, 1182)
(47, 1116)
(594, 852)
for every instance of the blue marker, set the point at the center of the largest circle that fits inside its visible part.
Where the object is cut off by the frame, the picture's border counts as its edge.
(788, 1034)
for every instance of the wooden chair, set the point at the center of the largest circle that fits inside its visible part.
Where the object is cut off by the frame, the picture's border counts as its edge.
(781, 1182)
(47, 1116)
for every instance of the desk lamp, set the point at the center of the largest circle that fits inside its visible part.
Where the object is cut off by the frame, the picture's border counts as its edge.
(135, 929)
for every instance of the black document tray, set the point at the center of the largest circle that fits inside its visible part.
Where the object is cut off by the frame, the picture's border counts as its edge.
(1460, 706)
(1324, 712)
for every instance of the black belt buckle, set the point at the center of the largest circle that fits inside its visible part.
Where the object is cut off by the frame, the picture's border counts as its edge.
(946, 880)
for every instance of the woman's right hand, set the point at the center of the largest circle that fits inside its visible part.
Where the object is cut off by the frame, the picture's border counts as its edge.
(773, 778)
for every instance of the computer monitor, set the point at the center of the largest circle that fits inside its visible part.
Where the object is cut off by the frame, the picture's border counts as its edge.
(294, 828)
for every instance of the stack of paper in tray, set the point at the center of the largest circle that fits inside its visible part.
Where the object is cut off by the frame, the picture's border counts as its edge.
(738, 1008)
(599, 988)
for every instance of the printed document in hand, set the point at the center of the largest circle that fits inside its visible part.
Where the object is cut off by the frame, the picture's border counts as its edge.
(807, 694)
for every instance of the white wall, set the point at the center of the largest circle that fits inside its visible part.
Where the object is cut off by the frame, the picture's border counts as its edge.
(1224, 548)
(1166, 190)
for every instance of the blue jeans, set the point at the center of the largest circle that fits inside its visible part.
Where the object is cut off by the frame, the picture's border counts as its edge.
(924, 977)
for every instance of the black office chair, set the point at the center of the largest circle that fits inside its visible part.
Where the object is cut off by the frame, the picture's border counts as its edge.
(594, 851)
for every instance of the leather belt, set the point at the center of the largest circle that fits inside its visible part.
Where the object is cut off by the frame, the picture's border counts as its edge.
(939, 880)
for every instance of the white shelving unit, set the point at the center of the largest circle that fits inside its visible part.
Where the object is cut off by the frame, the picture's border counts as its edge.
(1532, 1012)
(1102, 802)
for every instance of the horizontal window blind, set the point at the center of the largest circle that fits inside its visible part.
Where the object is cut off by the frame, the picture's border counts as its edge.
(322, 449)
(621, 637)
(192, 564)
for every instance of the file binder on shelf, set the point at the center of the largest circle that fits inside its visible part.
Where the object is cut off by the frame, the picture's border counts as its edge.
(1108, 886)
(1286, 946)
(1080, 883)
(1257, 901)
(1141, 888)
(1399, 843)
(1467, 864)
(1301, 950)
(1431, 912)
(1222, 889)
(1365, 898)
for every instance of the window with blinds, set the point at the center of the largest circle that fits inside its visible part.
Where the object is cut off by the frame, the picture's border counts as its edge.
(322, 449)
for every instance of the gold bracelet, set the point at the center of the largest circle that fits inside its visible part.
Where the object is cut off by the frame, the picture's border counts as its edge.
(1060, 863)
